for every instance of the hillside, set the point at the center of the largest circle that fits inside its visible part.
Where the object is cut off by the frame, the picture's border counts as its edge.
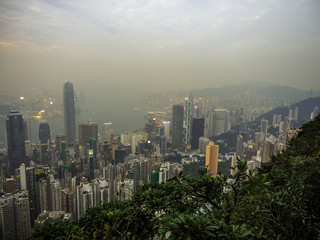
(305, 108)
(282, 201)
(267, 89)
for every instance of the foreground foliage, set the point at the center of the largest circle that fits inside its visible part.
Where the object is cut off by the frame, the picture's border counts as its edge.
(282, 201)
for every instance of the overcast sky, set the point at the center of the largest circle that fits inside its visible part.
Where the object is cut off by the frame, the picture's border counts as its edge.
(159, 44)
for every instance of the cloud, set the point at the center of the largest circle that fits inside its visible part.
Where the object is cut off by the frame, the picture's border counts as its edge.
(161, 34)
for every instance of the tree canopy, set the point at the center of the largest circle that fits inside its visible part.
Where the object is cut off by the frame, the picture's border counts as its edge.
(280, 201)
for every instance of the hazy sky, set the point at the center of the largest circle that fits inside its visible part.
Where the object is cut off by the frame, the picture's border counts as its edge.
(159, 44)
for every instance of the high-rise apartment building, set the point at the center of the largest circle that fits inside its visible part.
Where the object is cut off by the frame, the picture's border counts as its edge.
(239, 146)
(264, 127)
(177, 126)
(14, 216)
(267, 152)
(15, 140)
(69, 113)
(203, 143)
(212, 154)
(28, 183)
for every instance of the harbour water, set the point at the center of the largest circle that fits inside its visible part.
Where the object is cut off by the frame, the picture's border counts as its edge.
(125, 111)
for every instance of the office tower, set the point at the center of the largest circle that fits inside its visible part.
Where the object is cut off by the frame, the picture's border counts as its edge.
(14, 214)
(197, 132)
(177, 126)
(239, 146)
(87, 132)
(44, 137)
(69, 113)
(28, 183)
(114, 147)
(268, 150)
(212, 154)
(60, 142)
(15, 140)
(264, 127)
(120, 154)
(27, 130)
(107, 131)
(219, 122)
(188, 118)
(203, 143)
(166, 126)
(163, 145)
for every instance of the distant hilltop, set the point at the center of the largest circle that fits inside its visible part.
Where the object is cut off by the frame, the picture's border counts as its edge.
(305, 108)
(262, 88)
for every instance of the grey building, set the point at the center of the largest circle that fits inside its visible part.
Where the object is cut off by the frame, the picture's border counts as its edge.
(15, 140)
(69, 113)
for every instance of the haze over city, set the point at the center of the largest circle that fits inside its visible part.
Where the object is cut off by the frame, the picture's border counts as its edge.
(158, 45)
(145, 119)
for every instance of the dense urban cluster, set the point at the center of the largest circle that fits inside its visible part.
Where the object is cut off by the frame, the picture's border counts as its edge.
(63, 176)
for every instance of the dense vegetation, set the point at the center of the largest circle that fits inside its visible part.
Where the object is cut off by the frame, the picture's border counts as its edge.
(282, 201)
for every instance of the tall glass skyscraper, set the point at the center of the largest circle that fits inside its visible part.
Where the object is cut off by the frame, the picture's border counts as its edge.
(69, 113)
(15, 140)
(188, 118)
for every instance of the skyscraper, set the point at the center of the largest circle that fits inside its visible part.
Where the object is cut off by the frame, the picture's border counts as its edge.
(212, 158)
(69, 113)
(14, 216)
(239, 145)
(264, 127)
(87, 131)
(28, 183)
(177, 126)
(15, 140)
(44, 137)
(188, 118)
(197, 132)
(107, 131)
(203, 143)
(219, 122)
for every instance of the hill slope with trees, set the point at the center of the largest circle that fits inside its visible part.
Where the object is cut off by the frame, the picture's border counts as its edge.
(281, 201)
